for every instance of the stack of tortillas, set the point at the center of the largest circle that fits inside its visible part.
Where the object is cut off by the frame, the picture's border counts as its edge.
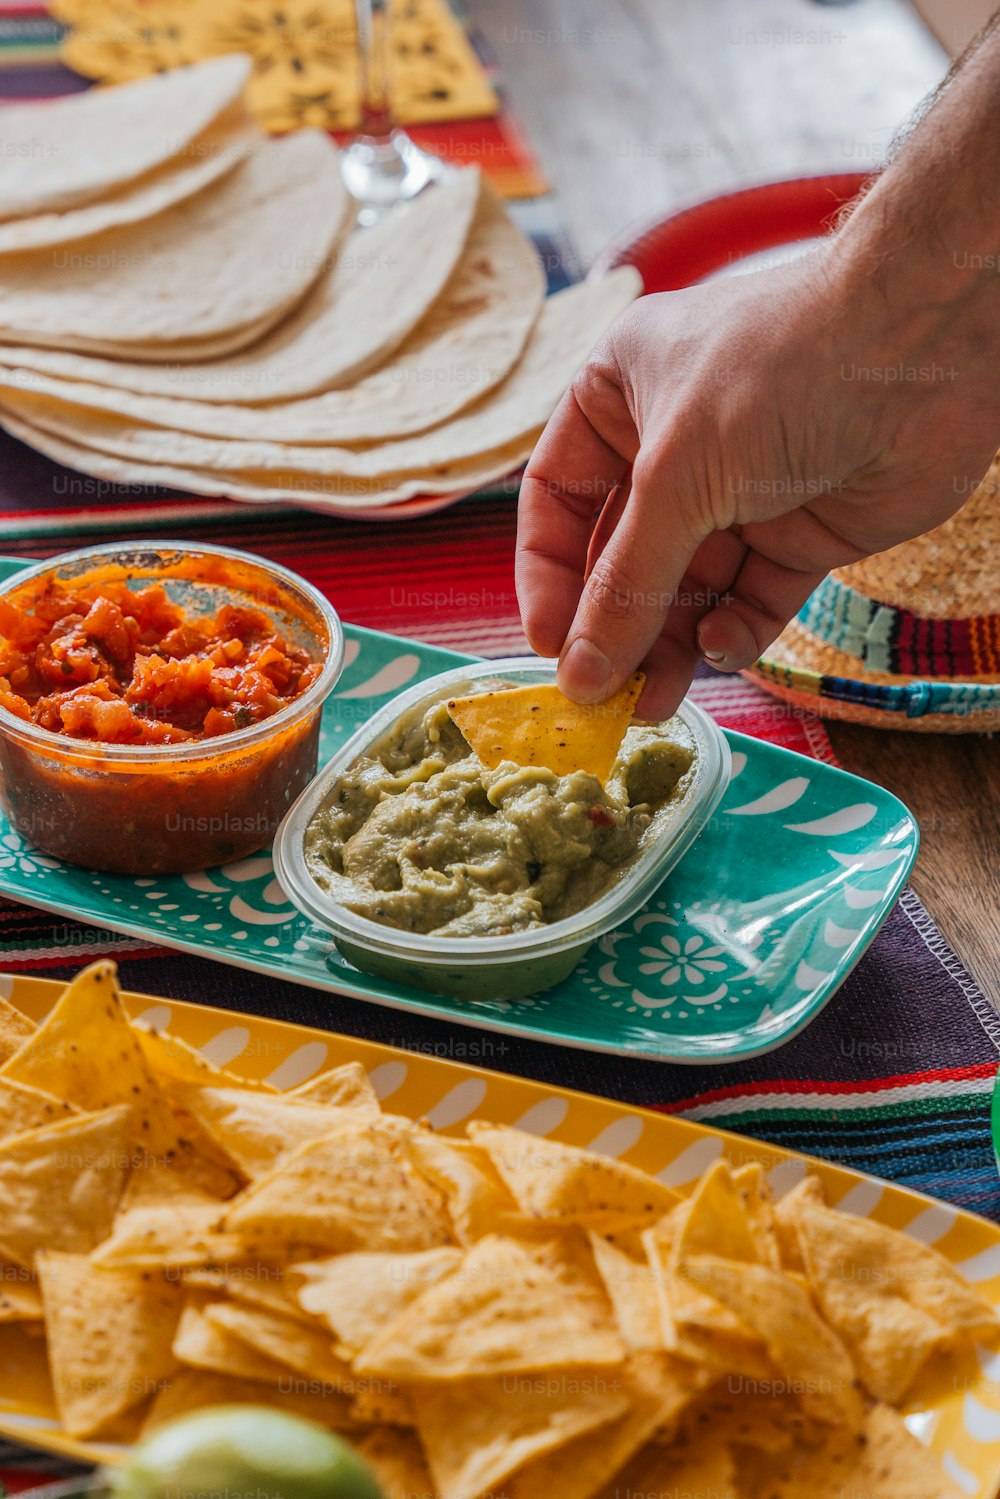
(186, 303)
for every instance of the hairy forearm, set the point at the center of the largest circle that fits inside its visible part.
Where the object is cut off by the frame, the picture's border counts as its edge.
(922, 248)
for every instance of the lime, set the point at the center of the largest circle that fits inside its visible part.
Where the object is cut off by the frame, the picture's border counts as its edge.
(243, 1452)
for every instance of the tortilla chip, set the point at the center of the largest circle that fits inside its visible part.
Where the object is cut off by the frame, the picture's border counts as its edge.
(699, 1465)
(894, 1300)
(352, 1189)
(631, 1286)
(346, 1087)
(777, 1309)
(15, 1029)
(109, 1337)
(752, 1415)
(23, 1108)
(357, 1295)
(882, 1458)
(501, 1312)
(566, 1183)
(477, 1432)
(566, 1254)
(86, 1053)
(194, 1389)
(171, 1059)
(477, 1199)
(397, 1460)
(711, 1334)
(657, 1387)
(20, 1299)
(164, 1219)
(381, 1402)
(758, 1206)
(204, 1345)
(253, 1283)
(60, 1185)
(538, 725)
(306, 1350)
(257, 1130)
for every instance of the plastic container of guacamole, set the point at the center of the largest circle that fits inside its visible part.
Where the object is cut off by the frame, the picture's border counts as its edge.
(520, 962)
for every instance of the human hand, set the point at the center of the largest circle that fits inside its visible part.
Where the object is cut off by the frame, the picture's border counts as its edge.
(745, 438)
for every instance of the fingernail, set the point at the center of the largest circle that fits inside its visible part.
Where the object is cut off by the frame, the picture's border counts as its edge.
(584, 673)
(714, 656)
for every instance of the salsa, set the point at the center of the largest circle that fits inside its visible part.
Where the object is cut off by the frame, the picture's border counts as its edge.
(417, 834)
(106, 662)
(159, 708)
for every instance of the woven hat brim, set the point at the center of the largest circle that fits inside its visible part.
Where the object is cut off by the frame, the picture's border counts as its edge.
(815, 676)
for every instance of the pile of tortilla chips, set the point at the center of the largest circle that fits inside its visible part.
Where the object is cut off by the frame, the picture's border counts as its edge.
(496, 1315)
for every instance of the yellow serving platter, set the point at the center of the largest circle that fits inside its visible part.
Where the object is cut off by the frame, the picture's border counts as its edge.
(956, 1409)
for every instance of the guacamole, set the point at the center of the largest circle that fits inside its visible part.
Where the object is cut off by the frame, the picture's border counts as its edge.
(418, 835)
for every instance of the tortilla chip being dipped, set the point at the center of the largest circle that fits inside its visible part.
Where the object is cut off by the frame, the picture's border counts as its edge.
(538, 725)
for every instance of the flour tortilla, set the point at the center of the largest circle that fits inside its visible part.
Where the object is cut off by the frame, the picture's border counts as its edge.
(383, 283)
(70, 151)
(467, 344)
(506, 419)
(206, 160)
(249, 249)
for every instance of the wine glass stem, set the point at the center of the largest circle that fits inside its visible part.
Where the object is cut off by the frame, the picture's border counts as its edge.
(376, 87)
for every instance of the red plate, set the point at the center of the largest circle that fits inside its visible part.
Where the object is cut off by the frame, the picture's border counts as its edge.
(684, 246)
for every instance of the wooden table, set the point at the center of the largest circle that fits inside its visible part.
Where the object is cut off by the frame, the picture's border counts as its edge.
(636, 105)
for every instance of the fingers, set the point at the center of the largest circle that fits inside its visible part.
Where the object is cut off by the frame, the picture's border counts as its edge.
(581, 456)
(764, 596)
(631, 588)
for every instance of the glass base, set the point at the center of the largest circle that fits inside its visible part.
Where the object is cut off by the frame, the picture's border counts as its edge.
(382, 173)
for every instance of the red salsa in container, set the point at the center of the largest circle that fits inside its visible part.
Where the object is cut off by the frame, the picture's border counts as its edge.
(159, 708)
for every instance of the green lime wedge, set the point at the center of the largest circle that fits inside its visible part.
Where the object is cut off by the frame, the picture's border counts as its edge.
(243, 1452)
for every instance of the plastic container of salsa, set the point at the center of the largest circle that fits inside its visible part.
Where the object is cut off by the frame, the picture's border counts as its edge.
(523, 962)
(204, 799)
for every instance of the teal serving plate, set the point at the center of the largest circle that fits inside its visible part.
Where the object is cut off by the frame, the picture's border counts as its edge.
(743, 944)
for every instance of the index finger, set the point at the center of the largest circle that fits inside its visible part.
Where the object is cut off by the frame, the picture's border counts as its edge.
(570, 474)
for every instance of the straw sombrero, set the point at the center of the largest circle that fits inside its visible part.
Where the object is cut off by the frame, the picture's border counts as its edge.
(907, 639)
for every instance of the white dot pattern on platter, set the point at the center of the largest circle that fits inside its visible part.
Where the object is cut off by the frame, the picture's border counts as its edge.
(618, 1137)
(982, 1424)
(862, 900)
(227, 1045)
(877, 858)
(156, 1018)
(458, 1103)
(839, 936)
(543, 1117)
(967, 1482)
(784, 795)
(807, 977)
(847, 820)
(783, 1177)
(691, 1162)
(300, 1065)
(932, 1224)
(388, 678)
(388, 1078)
(989, 1362)
(982, 1266)
(862, 1199)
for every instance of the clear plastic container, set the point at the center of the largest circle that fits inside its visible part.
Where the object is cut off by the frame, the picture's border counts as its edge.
(522, 962)
(172, 808)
